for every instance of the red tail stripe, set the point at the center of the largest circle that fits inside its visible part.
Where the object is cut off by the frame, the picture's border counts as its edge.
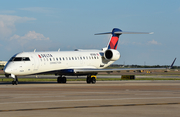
(113, 42)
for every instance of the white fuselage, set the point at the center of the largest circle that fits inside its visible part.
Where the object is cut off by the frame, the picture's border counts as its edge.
(27, 63)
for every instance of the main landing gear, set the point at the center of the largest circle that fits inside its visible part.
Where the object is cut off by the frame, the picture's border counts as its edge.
(91, 79)
(15, 81)
(61, 79)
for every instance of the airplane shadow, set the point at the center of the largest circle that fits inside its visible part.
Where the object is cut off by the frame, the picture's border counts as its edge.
(19, 83)
(6, 83)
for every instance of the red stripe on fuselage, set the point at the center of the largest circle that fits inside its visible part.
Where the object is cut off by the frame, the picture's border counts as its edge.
(39, 56)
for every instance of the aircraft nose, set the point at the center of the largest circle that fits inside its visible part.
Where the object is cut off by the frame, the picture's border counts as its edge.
(7, 70)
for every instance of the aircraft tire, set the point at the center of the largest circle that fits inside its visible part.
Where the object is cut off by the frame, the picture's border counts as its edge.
(12, 82)
(93, 80)
(63, 79)
(59, 80)
(88, 80)
(16, 80)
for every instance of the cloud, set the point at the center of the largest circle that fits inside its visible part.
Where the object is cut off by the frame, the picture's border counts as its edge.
(137, 43)
(153, 42)
(7, 24)
(30, 41)
(30, 36)
(38, 9)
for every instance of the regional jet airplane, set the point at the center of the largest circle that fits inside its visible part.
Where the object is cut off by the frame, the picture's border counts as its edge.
(68, 63)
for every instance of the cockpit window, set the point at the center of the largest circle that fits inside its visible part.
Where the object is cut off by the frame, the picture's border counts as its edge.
(19, 59)
(25, 59)
(11, 59)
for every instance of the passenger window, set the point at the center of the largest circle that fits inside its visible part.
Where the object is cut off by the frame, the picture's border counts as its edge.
(63, 58)
(59, 58)
(72, 58)
(69, 58)
(50, 59)
(80, 57)
(95, 57)
(89, 57)
(83, 57)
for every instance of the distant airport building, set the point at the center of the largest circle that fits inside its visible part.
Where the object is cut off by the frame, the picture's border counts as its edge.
(3, 63)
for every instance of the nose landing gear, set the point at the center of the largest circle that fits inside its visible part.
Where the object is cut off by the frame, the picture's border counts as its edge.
(15, 82)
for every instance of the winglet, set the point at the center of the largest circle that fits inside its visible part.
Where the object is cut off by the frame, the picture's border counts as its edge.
(172, 63)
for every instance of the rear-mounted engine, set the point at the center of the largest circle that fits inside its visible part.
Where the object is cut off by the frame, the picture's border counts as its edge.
(111, 55)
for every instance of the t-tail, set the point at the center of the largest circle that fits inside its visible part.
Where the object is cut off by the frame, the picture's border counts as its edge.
(113, 42)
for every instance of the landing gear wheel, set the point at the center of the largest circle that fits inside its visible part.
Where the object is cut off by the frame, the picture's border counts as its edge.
(15, 82)
(93, 80)
(88, 80)
(61, 80)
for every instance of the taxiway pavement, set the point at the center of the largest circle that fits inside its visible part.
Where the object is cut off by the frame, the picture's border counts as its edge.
(103, 99)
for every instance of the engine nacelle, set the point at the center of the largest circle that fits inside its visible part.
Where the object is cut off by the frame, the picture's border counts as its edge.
(111, 55)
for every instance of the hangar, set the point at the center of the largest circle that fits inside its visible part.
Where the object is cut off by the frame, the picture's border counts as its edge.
(3, 63)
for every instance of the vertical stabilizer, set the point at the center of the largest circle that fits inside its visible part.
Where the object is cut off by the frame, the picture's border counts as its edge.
(113, 42)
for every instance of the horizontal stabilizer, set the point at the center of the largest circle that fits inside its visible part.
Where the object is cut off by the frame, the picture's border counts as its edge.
(133, 32)
(103, 33)
(122, 32)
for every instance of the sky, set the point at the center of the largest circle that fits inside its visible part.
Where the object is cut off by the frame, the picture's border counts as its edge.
(47, 25)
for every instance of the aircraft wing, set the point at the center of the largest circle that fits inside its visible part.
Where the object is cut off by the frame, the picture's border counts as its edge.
(111, 70)
(120, 69)
(85, 71)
